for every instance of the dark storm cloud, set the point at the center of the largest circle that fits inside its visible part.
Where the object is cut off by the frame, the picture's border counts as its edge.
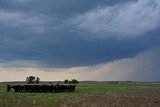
(41, 31)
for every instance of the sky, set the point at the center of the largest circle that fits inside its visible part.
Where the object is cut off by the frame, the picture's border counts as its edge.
(100, 40)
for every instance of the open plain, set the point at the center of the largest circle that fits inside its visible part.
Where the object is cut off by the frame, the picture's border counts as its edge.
(97, 94)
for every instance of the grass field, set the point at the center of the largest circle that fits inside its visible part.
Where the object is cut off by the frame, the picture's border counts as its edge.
(88, 95)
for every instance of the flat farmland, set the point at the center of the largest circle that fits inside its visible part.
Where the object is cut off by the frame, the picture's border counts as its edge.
(88, 95)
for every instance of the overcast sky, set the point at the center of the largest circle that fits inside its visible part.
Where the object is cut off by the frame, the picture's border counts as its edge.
(83, 39)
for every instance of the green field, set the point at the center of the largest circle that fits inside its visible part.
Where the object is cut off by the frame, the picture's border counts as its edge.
(88, 95)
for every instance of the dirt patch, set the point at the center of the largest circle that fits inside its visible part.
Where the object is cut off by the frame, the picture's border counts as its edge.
(142, 97)
(134, 98)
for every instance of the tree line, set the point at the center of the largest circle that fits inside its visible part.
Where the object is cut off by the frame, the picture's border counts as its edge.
(36, 80)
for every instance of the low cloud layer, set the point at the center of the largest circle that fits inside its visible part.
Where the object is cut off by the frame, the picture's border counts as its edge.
(59, 34)
(143, 67)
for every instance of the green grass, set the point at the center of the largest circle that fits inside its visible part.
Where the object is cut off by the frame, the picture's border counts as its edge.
(88, 91)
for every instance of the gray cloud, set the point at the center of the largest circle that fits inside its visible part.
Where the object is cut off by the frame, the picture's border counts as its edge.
(40, 32)
(130, 19)
(22, 22)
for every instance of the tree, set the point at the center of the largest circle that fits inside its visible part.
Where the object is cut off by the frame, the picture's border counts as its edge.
(37, 80)
(70, 82)
(30, 79)
(74, 81)
(66, 81)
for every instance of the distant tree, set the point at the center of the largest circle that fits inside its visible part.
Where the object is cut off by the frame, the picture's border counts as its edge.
(66, 81)
(74, 81)
(37, 80)
(30, 79)
(116, 82)
(70, 82)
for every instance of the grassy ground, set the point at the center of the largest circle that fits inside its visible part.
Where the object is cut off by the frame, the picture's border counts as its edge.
(88, 95)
